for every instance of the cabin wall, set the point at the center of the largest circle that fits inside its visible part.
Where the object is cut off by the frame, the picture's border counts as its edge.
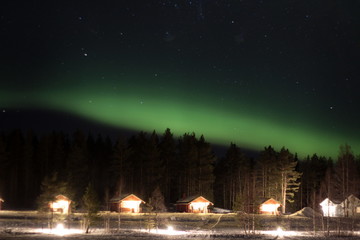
(182, 208)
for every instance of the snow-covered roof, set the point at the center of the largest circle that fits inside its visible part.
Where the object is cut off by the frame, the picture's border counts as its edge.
(126, 196)
(270, 201)
(193, 198)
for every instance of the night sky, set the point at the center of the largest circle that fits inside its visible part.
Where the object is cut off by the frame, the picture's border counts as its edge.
(251, 72)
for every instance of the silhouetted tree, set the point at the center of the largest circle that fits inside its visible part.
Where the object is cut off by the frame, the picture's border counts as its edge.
(91, 204)
(168, 158)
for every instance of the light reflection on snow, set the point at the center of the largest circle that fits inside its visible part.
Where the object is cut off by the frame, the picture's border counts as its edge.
(280, 233)
(169, 231)
(59, 230)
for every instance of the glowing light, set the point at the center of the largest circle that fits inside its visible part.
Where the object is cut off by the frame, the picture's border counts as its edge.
(133, 205)
(60, 205)
(59, 230)
(328, 208)
(270, 208)
(199, 207)
(280, 232)
(329, 211)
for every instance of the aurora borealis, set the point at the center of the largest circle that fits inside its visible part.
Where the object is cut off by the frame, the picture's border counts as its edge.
(248, 72)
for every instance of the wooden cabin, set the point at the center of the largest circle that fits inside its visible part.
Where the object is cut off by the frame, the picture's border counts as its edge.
(193, 204)
(337, 208)
(127, 203)
(351, 206)
(61, 204)
(269, 206)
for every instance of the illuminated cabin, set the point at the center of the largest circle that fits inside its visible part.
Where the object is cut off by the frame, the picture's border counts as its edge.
(127, 203)
(60, 205)
(193, 204)
(270, 206)
(337, 208)
(331, 208)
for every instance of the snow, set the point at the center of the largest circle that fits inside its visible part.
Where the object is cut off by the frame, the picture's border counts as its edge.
(31, 225)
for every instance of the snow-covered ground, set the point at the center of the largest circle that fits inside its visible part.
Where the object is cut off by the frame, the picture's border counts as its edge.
(176, 226)
(141, 234)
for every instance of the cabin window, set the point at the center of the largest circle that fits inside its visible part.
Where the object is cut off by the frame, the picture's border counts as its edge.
(357, 209)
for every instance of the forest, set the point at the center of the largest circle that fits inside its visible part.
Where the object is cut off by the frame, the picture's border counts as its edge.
(179, 167)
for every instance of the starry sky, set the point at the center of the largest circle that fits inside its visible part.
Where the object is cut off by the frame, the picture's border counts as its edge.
(251, 72)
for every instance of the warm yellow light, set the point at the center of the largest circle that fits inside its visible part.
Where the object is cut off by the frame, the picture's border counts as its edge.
(134, 205)
(59, 230)
(269, 207)
(60, 204)
(199, 206)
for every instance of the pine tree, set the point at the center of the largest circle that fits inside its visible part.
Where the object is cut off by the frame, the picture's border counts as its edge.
(91, 204)
(205, 168)
(52, 186)
(346, 172)
(121, 167)
(77, 167)
(28, 170)
(157, 200)
(4, 158)
(266, 173)
(289, 177)
(233, 177)
(167, 155)
(187, 170)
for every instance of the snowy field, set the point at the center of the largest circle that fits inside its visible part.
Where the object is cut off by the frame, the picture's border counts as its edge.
(33, 234)
(176, 226)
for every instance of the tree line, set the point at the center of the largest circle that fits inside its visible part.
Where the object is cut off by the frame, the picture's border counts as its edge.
(178, 167)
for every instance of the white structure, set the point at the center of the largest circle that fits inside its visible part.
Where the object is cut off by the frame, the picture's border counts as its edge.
(347, 208)
(351, 206)
(330, 208)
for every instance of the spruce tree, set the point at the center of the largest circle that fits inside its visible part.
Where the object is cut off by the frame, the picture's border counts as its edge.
(91, 204)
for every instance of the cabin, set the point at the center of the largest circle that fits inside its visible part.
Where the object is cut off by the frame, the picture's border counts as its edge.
(126, 203)
(337, 208)
(331, 208)
(61, 204)
(269, 206)
(351, 206)
(193, 204)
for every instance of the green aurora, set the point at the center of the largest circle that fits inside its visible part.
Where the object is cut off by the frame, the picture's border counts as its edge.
(143, 104)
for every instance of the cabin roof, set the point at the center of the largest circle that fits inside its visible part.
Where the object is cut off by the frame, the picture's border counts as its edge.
(126, 197)
(332, 201)
(269, 201)
(62, 197)
(194, 198)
